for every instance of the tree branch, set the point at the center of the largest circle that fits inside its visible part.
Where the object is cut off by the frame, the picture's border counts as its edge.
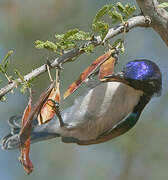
(158, 16)
(132, 23)
(138, 21)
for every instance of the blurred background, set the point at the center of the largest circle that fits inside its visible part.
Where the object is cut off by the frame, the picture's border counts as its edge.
(140, 154)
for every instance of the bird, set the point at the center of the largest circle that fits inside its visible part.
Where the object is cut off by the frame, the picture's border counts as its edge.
(107, 110)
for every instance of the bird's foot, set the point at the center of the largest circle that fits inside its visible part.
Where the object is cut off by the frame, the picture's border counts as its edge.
(55, 107)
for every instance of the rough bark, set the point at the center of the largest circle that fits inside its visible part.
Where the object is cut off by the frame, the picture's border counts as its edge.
(158, 16)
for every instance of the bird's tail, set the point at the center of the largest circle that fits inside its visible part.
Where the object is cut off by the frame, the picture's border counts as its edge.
(12, 141)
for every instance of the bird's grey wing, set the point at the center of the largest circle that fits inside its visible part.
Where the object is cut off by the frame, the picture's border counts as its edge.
(121, 127)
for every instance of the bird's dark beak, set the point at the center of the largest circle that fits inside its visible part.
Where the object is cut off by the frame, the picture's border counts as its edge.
(115, 77)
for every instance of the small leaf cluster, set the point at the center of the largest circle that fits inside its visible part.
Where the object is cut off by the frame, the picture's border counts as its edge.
(88, 49)
(99, 25)
(25, 84)
(47, 45)
(65, 41)
(118, 13)
(126, 10)
(4, 67)
(5, 62)
(71, 39)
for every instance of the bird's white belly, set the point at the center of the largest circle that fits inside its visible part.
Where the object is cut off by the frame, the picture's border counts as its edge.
(100, 109)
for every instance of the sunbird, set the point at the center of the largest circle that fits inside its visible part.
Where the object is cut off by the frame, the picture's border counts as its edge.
(107, 110)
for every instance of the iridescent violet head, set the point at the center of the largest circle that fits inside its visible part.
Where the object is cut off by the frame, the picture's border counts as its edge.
(144, 75)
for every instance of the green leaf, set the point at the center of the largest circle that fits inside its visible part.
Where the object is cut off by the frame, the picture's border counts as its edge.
(117, 15)
(47, 45)
(120, 7)
(26, 85)
(23, 89)
(123, 14)
(59, 36)
(88, 49)
(163, 5)
(81, 35)
(7, 56)
(130, 9)
(127, 7)
(19, 74)
(74, 34)
(70, 33)
(70, 39)
(5, 62)
(112, 17)
(101, 27)
(2, 70)
(104, 10)
(64, 45)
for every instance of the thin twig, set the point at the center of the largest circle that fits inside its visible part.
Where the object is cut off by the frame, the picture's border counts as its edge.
(49, 73)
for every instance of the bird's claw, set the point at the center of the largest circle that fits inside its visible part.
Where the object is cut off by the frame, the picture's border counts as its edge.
(55, 107)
